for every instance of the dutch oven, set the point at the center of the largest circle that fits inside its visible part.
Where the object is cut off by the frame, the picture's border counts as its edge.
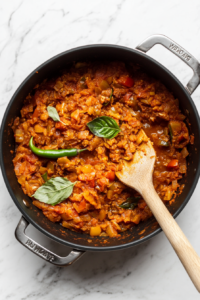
(81, 242)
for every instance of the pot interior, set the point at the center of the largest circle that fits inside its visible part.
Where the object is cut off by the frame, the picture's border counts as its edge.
(136, 234)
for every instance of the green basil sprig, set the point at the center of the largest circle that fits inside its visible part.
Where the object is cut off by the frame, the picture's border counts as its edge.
(52, 111)
(54, 191)
(105, 127)
(130, 203)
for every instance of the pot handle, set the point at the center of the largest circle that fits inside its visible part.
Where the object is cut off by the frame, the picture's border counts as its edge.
(185, 56)
(41, 251)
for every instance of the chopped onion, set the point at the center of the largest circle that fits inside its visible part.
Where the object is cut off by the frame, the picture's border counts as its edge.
(174, 184)
(184, 152)
(182, 169)
(19, 135)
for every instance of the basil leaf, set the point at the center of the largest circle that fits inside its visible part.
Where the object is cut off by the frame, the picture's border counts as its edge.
(105, 127)
(44, 176)
(53, 113)
(129, 204)
(54, 191)
(125, 205)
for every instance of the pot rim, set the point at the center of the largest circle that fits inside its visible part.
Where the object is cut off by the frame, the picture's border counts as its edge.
(41, 229)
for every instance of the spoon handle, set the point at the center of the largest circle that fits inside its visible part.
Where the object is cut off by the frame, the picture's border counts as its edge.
(177, 238)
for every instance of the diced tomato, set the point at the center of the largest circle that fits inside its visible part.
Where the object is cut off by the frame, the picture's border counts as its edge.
(110, 175)
(173, 164)
(126, 81)
(129, 82)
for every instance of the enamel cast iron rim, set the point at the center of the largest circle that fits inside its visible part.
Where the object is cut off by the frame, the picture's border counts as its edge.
(48, 234)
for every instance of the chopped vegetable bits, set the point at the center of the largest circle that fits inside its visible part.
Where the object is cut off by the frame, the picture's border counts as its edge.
(101, 107)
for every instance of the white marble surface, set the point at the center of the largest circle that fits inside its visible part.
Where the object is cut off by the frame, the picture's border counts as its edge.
(30, 33)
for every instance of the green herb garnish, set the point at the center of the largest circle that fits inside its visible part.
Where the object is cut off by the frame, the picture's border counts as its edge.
(130, 203)
(52, 111)
(54, 191)
(105, 127)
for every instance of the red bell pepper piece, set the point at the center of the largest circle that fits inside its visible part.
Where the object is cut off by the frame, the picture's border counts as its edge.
(110, 175)
(173, 164)
(126, 81)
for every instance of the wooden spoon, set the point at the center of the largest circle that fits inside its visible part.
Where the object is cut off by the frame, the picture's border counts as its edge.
(137, 174)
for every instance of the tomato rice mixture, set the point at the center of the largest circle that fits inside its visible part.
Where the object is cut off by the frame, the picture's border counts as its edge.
(85, 91)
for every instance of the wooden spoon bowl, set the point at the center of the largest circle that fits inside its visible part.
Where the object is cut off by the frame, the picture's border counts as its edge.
(137, 174)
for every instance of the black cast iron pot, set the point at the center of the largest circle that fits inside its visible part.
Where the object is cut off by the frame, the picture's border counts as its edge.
(78, 241)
